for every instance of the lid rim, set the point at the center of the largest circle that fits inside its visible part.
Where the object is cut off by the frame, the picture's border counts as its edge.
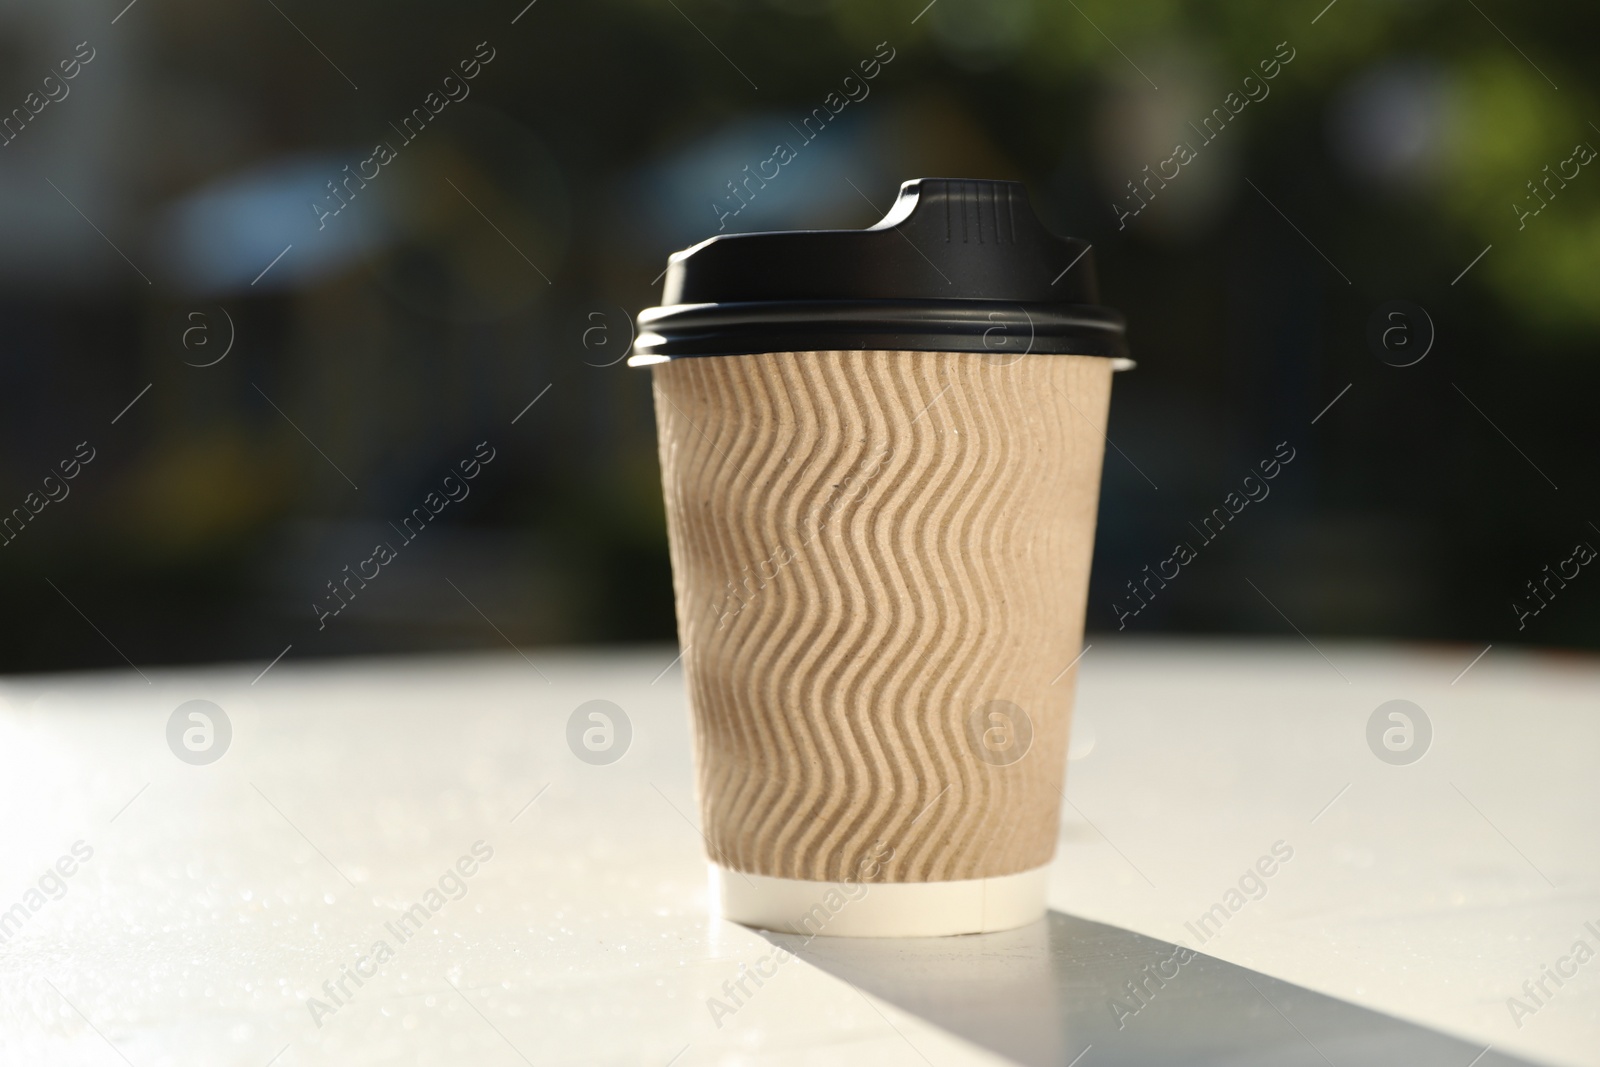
(651, 357)
(996, 327)
(972, 309)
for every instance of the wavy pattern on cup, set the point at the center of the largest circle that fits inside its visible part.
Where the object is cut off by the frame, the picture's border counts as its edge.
(831, 713)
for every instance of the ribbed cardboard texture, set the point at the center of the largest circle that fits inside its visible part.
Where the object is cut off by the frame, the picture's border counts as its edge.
(874, 554)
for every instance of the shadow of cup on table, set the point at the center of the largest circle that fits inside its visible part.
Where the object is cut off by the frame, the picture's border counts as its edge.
(1043, 994)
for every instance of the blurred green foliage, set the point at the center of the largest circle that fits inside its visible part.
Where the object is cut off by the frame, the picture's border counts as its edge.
(1507, 117)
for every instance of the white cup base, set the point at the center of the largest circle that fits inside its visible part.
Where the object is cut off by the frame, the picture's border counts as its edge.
(879, 909)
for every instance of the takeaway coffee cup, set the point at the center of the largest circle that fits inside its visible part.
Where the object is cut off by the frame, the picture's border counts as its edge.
(881, 455)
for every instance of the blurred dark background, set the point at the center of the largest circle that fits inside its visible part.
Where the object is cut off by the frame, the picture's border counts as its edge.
(497, 257)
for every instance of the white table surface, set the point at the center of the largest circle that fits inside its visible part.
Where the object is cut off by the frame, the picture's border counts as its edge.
(219, 898)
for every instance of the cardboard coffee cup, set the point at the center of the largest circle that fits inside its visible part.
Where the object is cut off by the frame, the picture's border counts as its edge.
(881, 455)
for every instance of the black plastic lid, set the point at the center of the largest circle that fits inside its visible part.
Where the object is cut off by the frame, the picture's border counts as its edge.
(956, 266)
